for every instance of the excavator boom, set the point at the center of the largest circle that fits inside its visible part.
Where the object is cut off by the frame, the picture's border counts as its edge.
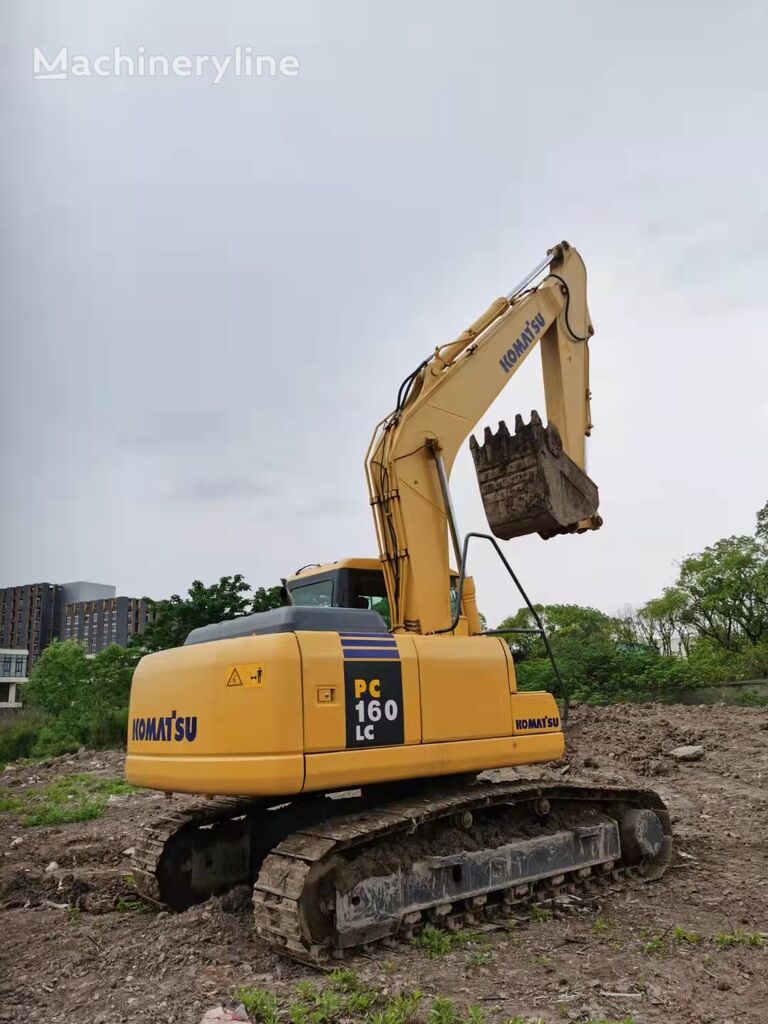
(535, 482)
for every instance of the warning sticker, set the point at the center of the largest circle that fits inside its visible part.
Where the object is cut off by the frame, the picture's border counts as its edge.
(246, 675)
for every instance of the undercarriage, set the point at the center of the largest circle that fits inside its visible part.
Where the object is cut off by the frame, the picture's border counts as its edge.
(334, 874)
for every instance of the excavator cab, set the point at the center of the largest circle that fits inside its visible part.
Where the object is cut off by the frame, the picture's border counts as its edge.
(359, 583)
(348, 583)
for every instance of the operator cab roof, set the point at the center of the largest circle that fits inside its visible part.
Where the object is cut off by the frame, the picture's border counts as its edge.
(292, 619)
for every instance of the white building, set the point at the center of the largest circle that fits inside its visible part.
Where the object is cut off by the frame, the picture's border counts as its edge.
(13, 675)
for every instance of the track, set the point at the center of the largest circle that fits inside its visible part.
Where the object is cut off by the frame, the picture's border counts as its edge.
(340, 885)
(171, 848)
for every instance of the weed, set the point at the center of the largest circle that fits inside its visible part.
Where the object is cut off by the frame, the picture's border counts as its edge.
(328, 1005)
(443, 1011)
(601, 926)
(9, 803)
(437, 943)
(540, 914)
(680, 935)
(624, 1020)
(363, 1001)
(261, 1005)
(306, 990)
(480, 958)
(654, 945)
(75, 797)
(345, 994)
(389, 967)
(346, 997)
(61, 814)
(298, 1014)
(727, 940)
(541, 960)
(73, 915)
(133, 906)
(400, 1010)
(345, 980)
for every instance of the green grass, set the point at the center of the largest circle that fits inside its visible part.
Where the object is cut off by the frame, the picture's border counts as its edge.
(540, 914)
(75, 797)
(262, 1006)
(344, 998)
(612, 1020)
(436, 943)
(654, 945)
(729, 940)
(681, 936)
(400, 1010)
(678, 936)
(480, 958)
(602, 927)
(443, 1011)
(134, 906)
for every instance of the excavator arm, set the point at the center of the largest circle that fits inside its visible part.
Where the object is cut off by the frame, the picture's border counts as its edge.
(440, 404)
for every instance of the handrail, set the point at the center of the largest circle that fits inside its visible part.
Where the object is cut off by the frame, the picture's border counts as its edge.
(512, 629)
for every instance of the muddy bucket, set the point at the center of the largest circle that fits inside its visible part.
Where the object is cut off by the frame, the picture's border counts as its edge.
(528, 483)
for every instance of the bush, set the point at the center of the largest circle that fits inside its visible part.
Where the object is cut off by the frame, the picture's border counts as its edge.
(108, 729)
(20, 734)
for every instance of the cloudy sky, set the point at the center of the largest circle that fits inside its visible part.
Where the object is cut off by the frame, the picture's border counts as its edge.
(210, 293)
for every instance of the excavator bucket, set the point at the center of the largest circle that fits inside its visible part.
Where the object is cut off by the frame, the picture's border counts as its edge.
(528, 483)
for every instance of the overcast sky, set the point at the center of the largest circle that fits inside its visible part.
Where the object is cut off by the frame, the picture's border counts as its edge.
(210, 293)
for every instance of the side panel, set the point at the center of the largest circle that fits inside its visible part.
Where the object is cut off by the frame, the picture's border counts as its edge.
(465, 688)
(535, 712)
(347, 768)
(222, 717)
(359, 691)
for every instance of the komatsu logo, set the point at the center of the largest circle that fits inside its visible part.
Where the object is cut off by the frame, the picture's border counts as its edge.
(529, 333)
(171, 727)
(536, 723)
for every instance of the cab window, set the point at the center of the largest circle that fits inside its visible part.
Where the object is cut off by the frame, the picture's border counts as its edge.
(319, 594)
(368, 590)
(454, 595)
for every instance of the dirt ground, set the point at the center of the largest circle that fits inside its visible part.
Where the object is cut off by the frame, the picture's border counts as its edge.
(75, 946)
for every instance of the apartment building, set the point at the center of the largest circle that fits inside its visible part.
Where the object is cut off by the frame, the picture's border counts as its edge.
(29, 617)
(33, 615)
(13, 675)
(98, 623)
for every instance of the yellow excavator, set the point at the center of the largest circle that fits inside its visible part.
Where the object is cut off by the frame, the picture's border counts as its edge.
(340, 741)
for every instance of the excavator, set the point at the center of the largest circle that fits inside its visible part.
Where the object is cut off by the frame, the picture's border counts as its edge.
(341, 744)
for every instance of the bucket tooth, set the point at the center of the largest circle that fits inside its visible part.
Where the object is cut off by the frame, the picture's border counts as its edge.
(527, 482)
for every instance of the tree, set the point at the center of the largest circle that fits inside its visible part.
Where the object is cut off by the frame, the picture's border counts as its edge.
(266, 598)
(84, 700)
(657, 623)
(725, 591)
(762, 524)
(564, 621)
(59, 677)
(176, 617)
